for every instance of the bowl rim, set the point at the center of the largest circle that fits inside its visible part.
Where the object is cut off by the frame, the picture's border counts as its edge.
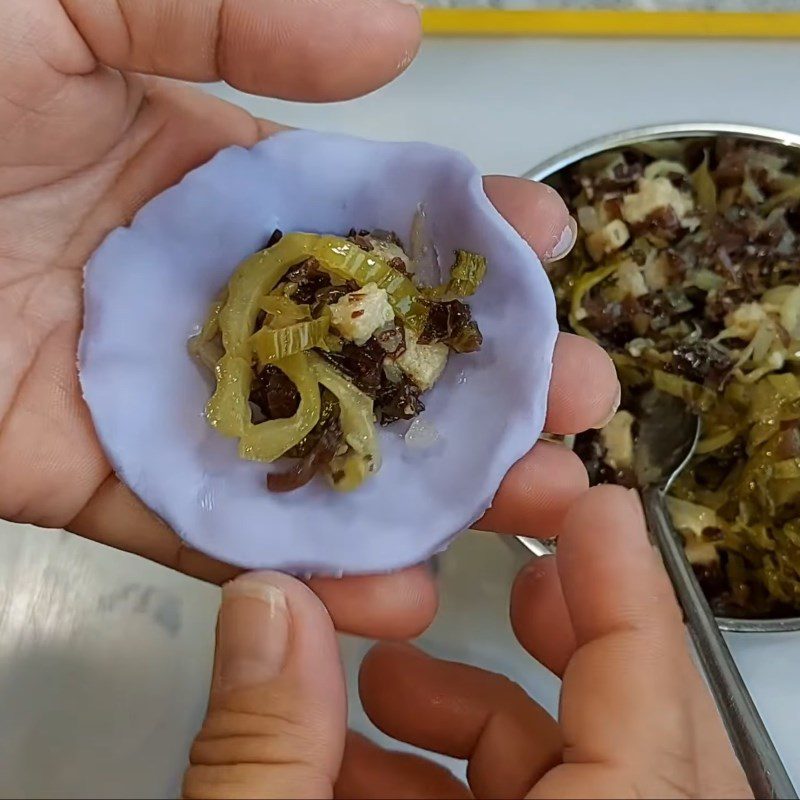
(677, 130)
(624, 138)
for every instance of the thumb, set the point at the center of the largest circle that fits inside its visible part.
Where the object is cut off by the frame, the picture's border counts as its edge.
(276, 717)
(294, 49)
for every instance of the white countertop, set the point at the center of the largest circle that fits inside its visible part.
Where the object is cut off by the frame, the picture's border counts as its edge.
(105, 659)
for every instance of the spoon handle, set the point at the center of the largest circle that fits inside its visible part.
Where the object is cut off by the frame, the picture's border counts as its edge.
(751, 742)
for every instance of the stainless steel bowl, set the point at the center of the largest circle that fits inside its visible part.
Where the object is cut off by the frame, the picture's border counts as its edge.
(614, 141)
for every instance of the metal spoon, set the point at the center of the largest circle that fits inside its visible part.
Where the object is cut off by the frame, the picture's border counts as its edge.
(668, 437)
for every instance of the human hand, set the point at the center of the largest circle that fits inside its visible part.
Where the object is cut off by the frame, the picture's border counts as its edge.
(635, 717)
(635, 720)
(87, 141)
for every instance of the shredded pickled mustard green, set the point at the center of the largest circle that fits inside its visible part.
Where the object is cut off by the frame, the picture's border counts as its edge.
(704, 187)
(211, 327)
(270, 345)
(698, 397)
(583, 285)
(356, 411)
(283, 311)
(288, 335)
(235, 315)
(255, 277)
(466, 275)
(228, 410)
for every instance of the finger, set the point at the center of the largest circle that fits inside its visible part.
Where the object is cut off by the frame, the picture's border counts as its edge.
(631, 662)
(396, 605)
(115, 516)
(631, 666)
(461, 711)
(611, 577)
(536, 493)
(536, 211)
(277, 711)
(292, 49)
(369, 771)
(539, 615)
(584, 390)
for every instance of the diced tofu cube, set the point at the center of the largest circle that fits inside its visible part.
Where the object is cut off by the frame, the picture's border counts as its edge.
(607, 240)
(656, 272)
(589, 219)
(744, 322)
(617, 439)
(423, 363)
(359, 314)
(691, 518)
(700, 552)
(630, 280)
(654, 194)
(637, 346)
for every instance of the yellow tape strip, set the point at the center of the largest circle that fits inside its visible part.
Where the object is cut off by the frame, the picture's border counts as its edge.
(543, 22)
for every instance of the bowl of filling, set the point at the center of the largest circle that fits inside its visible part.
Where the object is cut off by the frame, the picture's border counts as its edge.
(687, 271)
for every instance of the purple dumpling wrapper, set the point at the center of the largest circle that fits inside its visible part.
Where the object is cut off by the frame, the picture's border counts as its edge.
(148, 289)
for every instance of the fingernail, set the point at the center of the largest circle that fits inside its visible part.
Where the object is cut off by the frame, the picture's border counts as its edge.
(415, 3)
(565, 243)
(253, 637)
(613, 411)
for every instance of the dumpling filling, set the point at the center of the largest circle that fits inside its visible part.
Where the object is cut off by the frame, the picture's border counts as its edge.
(316, 339)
